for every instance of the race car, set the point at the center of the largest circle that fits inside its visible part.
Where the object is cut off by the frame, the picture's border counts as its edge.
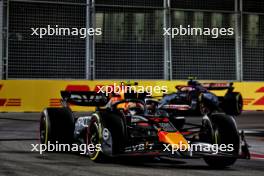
(124, 127)
(198, 99)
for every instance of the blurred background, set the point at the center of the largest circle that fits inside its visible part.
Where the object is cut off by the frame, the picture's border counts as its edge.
(132, 45)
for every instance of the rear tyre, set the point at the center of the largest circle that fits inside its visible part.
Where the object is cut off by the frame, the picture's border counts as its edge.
(56, 126)
(224, 132)
(233, 103)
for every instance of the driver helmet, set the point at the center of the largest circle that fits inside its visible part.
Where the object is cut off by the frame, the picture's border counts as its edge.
(135, 108)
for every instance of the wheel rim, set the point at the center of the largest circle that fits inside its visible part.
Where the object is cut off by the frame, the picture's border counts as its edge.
(207, 133)
(203, 109)
(240, 103)
(93, 137)
(42, 131)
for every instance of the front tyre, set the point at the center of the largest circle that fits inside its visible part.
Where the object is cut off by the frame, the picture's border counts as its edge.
(106, 129)
(224, 132)
(94, 137)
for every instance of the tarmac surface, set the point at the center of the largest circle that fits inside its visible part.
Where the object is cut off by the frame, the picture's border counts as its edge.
(19, 130)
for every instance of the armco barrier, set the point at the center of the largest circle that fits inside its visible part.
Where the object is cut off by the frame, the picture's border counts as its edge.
(35, 95)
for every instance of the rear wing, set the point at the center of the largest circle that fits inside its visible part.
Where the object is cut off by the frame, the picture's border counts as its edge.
(218, 86)
(84, 98)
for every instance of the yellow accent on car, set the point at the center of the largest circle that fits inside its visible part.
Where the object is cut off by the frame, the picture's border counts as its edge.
(46, 128)
(177, 140)
(100, 137)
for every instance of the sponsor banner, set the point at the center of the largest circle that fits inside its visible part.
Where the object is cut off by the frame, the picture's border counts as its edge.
(35, 95)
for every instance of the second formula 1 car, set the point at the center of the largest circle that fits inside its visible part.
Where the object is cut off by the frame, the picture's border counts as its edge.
(123, 126)
(198, 99)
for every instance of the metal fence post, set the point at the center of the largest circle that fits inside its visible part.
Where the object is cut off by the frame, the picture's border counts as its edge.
(87, 49)
(239, 39)
(167, 41)
(93, 25)
(1, 38)
(5, 39)
(89, 40)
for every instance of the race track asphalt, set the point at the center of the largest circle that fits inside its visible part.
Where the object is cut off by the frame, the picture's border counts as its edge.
(19, 130)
